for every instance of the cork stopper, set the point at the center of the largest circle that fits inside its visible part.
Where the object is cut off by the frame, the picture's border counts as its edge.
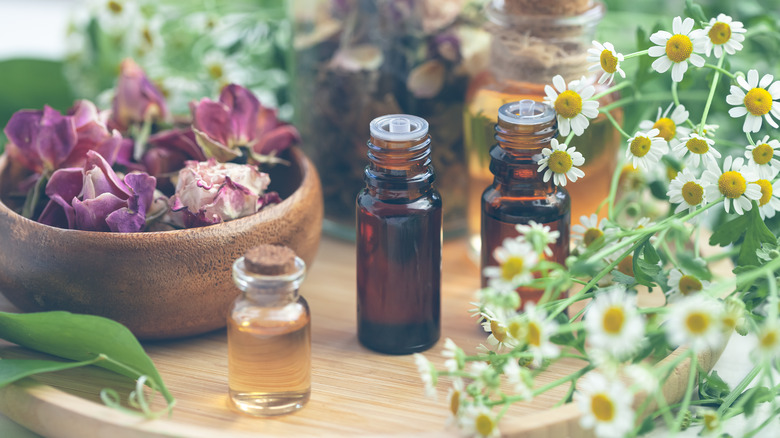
(547, 7)
(270, 260)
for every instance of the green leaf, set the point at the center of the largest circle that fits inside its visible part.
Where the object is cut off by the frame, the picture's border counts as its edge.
(729, 232)
(650, 254)
(756, 234)
(713, 387)
(622, 278)
(695, 11)
(688, 264)
(647, 425)
(753, 397)
(82, 338)
(12, 370)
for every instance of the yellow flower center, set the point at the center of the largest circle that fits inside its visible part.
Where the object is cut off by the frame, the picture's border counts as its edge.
(147, 35)
(511, 267)
(484, 424)
(626, 266)
(711, 422)
(720, 33)
(559, 162)
(732, 184)
(455, 402)
(640, 146)
(568, 104)
(729, 321)
(692, 193)
(590, 236)
(768, 339)
(498, 332)
(679, 48)
(667, 127)
(763, 153)
(766, 192)
(534, 336)
(758, 101)
(689, 284)
(602, 407)
(697, 322)
(697, 145)
(215, 71)
(115, 7)
(516, 330)
(613, 320)
(608, 61)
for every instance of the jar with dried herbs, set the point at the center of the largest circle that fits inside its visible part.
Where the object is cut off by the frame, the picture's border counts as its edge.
(531, 42)
(355, 60)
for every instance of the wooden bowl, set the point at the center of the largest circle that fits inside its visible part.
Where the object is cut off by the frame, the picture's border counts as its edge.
(161, 285)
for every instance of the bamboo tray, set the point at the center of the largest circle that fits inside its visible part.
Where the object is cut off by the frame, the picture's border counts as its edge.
(355, 392)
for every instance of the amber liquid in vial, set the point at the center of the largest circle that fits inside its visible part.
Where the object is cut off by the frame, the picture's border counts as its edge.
(269, 364)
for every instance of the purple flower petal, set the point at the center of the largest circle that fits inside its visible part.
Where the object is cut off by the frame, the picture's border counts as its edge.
(243, 107)
(91, 214)
(136, 98)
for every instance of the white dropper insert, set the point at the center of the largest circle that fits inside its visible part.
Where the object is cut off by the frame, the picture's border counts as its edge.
(398, 127)
(526, 112)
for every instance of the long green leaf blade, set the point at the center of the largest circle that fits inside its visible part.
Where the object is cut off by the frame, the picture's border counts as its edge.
(12, 370)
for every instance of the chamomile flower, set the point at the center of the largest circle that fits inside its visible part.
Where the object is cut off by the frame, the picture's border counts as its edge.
(455, 358)
(561, 163)
(734, 315)
(572, 104)
(498, 335)
(457, 398)
(520, 378)
(733, 183)
(589, 230)
(687, 191)
(605, 405)
(613, 324)
(767, 341)
(645, 149)
(761, 157)
(768, 204)
(697, 149)
(479, 422)
(539, 236)
(670, 126)
(695, 321)
(515, 259)
(675, 50)
(758, 102)
(428, 374)
(682, 285)
(538, 335)
(723, 35)
(607, 61)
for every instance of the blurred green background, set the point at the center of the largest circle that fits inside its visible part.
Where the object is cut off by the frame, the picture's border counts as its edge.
(193, 47)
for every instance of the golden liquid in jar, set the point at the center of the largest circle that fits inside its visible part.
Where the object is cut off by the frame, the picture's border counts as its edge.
(269, 365)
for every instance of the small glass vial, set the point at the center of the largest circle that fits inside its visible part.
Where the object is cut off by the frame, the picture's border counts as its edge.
(518, 194)
(269, 336)
(399, 232)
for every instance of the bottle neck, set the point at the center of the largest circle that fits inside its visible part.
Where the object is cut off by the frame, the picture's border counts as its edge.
(269, 290)
(399, 169)
(533, 45)
(515, 158)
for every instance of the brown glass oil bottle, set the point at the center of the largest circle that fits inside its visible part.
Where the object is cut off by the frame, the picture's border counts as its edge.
(399, 216)
(519, 194)
(269, 336)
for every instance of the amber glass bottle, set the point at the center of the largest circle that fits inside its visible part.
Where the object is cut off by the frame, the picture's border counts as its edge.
(518, 194)
(532, 42)
(399, 216)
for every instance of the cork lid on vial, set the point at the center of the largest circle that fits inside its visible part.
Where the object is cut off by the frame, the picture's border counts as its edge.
(270, 260)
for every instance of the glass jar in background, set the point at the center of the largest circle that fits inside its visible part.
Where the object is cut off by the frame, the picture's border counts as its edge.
(530, 43)
(355, 60)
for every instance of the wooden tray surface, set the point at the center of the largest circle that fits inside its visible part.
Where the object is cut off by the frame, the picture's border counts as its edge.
(355, 392)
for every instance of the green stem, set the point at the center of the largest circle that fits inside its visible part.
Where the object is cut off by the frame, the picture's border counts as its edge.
(611, 90)
(712, 94)
(772, 280)
(675, 97)
(34, 196)
(613, 185)
(568, 138)
(718, 68)
(635, 54)
(738, 390)
(615, 124)
(688, 391)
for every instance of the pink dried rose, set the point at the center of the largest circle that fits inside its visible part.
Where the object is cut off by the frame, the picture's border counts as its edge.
(45, 140)
(95, 198)
(210, 192)
(137, 100)
(239, 120)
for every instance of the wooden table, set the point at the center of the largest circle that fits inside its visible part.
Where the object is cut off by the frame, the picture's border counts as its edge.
(355, 392)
